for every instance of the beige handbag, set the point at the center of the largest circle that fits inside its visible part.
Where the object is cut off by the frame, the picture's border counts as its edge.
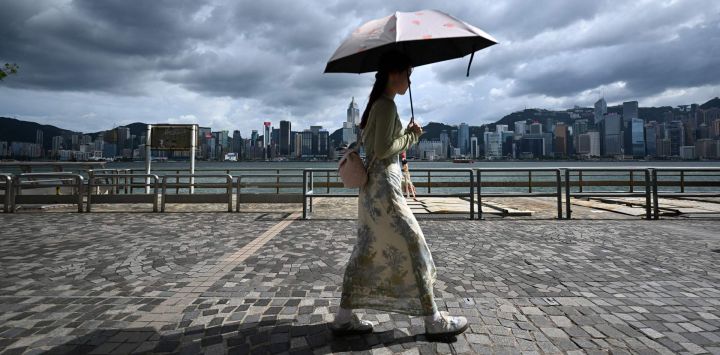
(352, 170)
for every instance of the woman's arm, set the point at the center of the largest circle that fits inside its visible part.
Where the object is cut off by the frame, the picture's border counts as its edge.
(385, 143)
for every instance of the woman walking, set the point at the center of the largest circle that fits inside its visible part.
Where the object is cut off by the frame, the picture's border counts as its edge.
(391, 267)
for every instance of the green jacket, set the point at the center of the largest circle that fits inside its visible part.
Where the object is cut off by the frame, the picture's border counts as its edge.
(384, 135)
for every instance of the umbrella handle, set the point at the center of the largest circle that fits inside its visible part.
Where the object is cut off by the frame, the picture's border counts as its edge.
(412, 110)
(469, 63)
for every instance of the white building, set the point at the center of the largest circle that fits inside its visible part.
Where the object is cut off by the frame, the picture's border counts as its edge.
(687, 152)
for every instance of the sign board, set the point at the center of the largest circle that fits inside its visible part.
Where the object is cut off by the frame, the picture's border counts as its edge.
(171, 137)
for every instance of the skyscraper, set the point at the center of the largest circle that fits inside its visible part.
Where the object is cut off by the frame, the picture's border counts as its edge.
(561, 139)
(630, 110)
(613, 134)
(600, 109)
(353, 113)
(637, 127)
(520, 127)
(464, 138)
(285, 138)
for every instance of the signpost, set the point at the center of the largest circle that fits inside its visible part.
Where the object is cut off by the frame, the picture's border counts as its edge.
(171, 137)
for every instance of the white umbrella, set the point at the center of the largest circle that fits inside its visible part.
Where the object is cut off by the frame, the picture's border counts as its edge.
(426, 36)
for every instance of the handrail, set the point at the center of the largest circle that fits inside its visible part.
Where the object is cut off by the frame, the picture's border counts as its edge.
(131, 198)
(656, 193)
(631, 193)
(309, 187)
(557, 194)
(197, 197)
(61, 176)
(8, 192)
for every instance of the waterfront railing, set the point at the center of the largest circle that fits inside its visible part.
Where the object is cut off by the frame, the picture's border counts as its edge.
(685, 183)
(197, 181)
(455, 180)
(603, 182)
(34, 181)
(511, 183)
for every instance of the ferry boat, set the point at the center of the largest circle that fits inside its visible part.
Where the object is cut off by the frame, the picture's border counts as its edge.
(467, 161)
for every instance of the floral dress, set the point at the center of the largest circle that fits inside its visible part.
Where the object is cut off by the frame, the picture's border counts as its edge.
(391, 267)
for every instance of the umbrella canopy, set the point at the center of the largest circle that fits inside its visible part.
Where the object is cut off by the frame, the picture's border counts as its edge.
(426, 36)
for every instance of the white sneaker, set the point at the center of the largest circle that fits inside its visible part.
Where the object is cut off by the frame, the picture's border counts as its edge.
(445, 328)
(352, 327)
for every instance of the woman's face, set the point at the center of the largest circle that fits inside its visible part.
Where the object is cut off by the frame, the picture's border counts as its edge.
(400, 81)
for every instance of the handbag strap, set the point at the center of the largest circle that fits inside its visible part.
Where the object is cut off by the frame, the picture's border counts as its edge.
(361, 142)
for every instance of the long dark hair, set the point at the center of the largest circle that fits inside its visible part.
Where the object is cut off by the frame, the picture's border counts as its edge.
(390, 62)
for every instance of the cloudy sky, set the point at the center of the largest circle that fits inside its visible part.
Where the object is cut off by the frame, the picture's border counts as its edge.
(89, 65)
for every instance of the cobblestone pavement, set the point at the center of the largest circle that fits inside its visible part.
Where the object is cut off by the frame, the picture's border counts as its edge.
(266, 282)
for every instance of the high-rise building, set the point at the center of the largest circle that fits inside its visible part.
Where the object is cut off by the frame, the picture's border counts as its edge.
(285, 129)
(445, 142)
(353, 113)
(493, 144)
(267, 126)
(600, 110)
(637, 127)
(630, 110)
(536, 128)
(613, 141)
(323, 143)
(687, 152)
(675, 132)
(307, 143)
(297, 147)
(589, 144)
(706, 148)
(561, 139)
(651, 137)
(532, 146)
(474, 147)
(520, 127)
(254, 137)
(464, 138)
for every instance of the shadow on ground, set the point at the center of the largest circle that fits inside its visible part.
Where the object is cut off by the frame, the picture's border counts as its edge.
(268, 336)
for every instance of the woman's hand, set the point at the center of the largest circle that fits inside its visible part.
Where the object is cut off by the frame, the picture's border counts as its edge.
(415, 128)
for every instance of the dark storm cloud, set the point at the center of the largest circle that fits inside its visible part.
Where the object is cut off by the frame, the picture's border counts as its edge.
(274, 51)
(648, 48)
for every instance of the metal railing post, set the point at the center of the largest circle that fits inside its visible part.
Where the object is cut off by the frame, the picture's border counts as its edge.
(529, 181)
(647, 194)
(472, 195)
(228, 190)
(632, 182)
(164, 193)
(568, 212)
(682, 180)
(327, 182)
(428, 181)
(177, 182)
(312, 188)
(479, 192)
(558, 191)
(277, 182)
(79, 180)
(156, 192)
(580, 181)
(237, 197)
(90, 191)
(304, 194)
(656, 207)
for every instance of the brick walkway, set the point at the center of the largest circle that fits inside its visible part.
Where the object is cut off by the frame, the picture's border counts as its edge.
(266, 282)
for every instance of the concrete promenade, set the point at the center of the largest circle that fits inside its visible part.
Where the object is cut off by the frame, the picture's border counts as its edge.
(267, 282)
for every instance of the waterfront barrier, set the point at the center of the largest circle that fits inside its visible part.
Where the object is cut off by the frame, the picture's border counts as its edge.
(7, 195)
(650, 185)
(687, 184)
(546, 179)
(250, 181)
(449, 178)
(96, 182)
(582, 178)
(195, 182)
(48, 180)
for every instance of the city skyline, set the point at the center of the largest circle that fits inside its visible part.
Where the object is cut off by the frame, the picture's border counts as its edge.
(688, 132)
(234, 65)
